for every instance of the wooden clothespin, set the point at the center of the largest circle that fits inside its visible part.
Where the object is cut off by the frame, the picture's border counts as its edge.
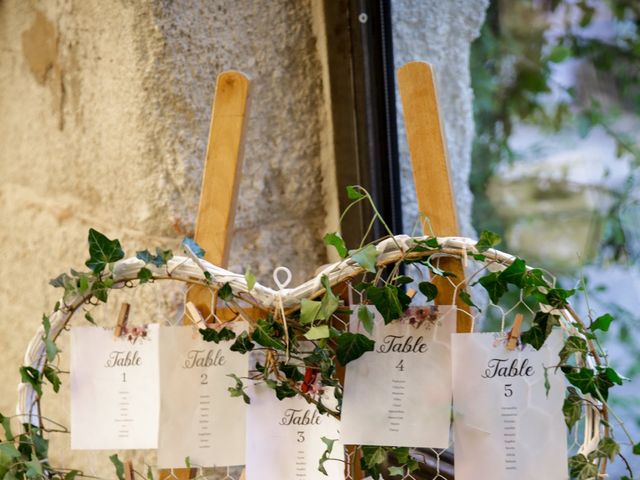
(128, 470)
(195, 315)
(515, 332)
(123, 316)
(411, 292)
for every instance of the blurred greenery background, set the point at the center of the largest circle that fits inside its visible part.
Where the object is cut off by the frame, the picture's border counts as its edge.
(556, 155)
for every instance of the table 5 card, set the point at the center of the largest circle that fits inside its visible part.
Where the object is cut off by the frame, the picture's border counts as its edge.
(400, 393)
(198, 417)
(504, 421)
(114, 388)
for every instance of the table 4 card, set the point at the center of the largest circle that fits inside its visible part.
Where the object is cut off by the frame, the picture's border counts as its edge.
(504, 419)
(198, 417)
(284, 437)
(114, 388)
(400, 393)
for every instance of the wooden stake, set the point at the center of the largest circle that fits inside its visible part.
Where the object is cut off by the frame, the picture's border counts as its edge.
(128, 470)
(220, 178)
(431, 173)
(515, 332)
(123, 316)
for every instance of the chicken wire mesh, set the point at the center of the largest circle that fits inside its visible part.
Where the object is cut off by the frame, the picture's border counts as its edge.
(163, 302)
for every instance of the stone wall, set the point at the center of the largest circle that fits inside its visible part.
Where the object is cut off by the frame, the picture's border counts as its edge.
(441, 32)
(104, 116)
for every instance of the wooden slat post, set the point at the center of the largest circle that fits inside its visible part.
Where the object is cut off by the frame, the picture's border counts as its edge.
(220, 178)
(431, 172)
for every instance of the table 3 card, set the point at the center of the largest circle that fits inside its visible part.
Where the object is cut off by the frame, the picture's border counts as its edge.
(504, 420)
(284, 437)
(199, 419)
(114, 388)
(400, 393)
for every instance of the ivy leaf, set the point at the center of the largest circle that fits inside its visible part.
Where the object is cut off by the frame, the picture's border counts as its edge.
(353, 192)
(572, 408)
(225, 292)
(51, 348)
(119, 466)
(190, 244)
(366, 317)
(72, 474)
(543, 324)
(559, 54)
(243, 344)
(34, 467)
(292, 372)
(31, 376)
(335, 240)
(373, 456)
(10, 450)
(329, 302)
(215, 336)
(429, 290)
(309, 311)
(588, 382)
(366, 257)
(102, 251)
(396, 471)
(636, 449)
(573, 345)
(283, 390)
(264, 334)
(494, 286)
(557, 297)
(351, 346)
(325, 455)
(466, 298)
(601, 323)
(250, 278)
(581, 468)
(100, 289)
(317, 332)
(238, 389)
(6, 426)
(515, 274)
(607, 448)
(89, 318)
(389, 300)
(51, 375)
(144, 275)
(487, 240)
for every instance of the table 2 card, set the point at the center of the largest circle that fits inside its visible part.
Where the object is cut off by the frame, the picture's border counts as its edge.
(114, 388)
(400, 393)
(284, 437)
(199, 419)
(504, 421)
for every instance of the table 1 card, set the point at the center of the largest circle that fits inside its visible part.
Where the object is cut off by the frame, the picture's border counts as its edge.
(284, 438)
(400, 393)
(114, 388)
(198, 417)
(505, 424)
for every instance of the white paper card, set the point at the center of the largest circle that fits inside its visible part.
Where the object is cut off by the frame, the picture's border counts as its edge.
(400, 393)
(199, 419)
(284, 438)
(114, 388)
(505, 425)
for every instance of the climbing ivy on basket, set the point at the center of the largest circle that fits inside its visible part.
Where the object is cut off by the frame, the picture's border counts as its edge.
(306, 346)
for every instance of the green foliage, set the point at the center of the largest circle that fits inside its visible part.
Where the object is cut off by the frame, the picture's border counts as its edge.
(366, 257)
(366, 318)
(429, 290)
(335, 240)
(102, 251)
(389, 300)
(238, 389)
(351, 346)
(217, 336)
(119, 466)
(543, 324)
(487, 240)
(225, 292)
